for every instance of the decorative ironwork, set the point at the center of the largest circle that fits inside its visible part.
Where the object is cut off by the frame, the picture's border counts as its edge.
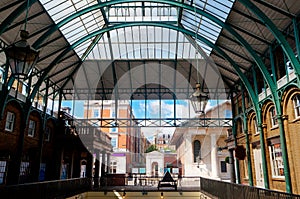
(153, 122)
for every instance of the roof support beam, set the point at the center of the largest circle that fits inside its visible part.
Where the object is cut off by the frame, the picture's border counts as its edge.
(277, 9)
(277, 34)
(23, 21)
(251, 34)
(17, 12)
(257, 59)
(296, 65)
(206, 41)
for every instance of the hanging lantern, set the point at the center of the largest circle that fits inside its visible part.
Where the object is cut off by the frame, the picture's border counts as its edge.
(21, 57)
(199, 100)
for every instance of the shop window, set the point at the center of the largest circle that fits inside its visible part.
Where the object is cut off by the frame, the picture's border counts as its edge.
(10, 119)
(31, 128)
(42, 171)
(24, 172)
(273, 117)
(197, 148)
(47, 134)
(2, 171)
(296, 102)
(276, 158)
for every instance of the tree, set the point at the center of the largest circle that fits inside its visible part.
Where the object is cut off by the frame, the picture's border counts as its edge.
(151, 148)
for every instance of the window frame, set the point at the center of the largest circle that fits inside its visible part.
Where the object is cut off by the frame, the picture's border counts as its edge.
(31, 128)
(255, 126)
(223, 166)
(296, 106)
(113, 167)
(196, 156)
(47, 134)
(10, 121)
(273, 117)
(276, 160)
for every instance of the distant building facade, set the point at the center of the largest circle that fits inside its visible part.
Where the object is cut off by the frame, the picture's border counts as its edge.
(197, 148)
(128, 142)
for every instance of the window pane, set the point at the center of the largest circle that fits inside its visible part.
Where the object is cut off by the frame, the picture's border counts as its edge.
(10, 118)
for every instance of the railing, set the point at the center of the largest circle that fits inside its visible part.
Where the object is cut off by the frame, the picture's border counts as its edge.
(226, 190)
(47, 189)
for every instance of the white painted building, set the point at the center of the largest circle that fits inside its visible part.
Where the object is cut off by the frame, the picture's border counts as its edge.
(154, 163)
(198, 149)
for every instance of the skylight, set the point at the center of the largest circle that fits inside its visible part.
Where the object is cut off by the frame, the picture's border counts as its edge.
(138, 42)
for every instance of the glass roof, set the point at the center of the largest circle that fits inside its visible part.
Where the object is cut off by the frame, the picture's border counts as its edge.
(138, 42)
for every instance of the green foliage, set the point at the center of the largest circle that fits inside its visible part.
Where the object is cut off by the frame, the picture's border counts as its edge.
(151, 148)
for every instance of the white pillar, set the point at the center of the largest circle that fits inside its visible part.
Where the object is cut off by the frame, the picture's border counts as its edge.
(188, 156)
(214, 163)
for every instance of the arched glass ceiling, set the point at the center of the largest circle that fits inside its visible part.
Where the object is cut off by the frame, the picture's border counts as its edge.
(137, 42)
(143, 42)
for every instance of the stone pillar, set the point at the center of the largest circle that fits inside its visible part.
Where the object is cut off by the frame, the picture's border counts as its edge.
(214, 161)
(189, 155)
(231, 166)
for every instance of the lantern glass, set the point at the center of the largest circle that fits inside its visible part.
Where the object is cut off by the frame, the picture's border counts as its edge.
(21, 57)
(199, 100)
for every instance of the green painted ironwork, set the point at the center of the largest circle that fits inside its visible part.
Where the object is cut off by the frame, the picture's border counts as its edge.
(257, 59)
(295, 63)
(277, 34)
(296, 34)
(247, 140)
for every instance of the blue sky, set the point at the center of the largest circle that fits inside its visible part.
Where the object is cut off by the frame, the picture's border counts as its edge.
(138, 106)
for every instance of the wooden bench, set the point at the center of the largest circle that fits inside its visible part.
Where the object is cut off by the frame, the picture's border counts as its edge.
(167, 181)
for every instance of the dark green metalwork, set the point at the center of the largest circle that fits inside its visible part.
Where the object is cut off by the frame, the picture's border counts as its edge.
(247, 139)
(295, 63)
(272, 63)
(284, 155)
(296, 35)
(263, 148)
(237, 164)
(277, 34)
(257, 59)
(122, 25)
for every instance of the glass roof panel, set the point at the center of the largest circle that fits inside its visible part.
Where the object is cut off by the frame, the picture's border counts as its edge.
(201, 24)
(141, 11)
(79, 27)
(143, 42)
(138, 42)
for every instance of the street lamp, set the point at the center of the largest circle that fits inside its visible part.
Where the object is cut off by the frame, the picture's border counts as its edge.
(20, 55)
(199, 100)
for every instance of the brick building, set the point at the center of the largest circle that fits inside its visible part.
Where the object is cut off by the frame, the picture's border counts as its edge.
(128, 142)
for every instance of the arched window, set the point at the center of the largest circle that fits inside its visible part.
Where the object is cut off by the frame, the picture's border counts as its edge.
(273, 117)
(256, 131)
(296, 102)
(197, 151)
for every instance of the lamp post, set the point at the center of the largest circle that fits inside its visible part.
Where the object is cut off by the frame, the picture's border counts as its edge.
(21, 56)
(199, 100)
